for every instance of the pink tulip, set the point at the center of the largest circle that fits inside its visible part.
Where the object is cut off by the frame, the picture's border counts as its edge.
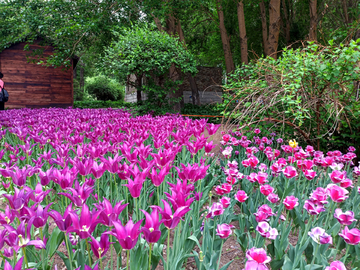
(310, 174)
(319, 196)
(345, 218)
(336, 265)
(337, 176)
(320, 236)
(257, 259)
(273, 198)
(261, 178)
(290, 202)
(241, 196)
(290, 172)
(336, 193)
(266, 231)
(266, 189)
(224, 230)
(313, 208)
(346, 183)
(216, 209)
(351, 237)
(225, 201)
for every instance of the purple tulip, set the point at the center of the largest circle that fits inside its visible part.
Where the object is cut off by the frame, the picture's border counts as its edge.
(170, 219)
(20, 237)
(127, 235)
(79, 194)
(62, 221)
(151, 230)
(100, 248)
(109, 213)
(85, 225)
(18, 266)
(20, 198)
(224, 230)
(157, 179)
(266, 231)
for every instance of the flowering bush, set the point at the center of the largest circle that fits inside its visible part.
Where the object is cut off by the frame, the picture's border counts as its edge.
(110, 181)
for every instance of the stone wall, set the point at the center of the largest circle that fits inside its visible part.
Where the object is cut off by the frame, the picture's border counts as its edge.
(207, 79)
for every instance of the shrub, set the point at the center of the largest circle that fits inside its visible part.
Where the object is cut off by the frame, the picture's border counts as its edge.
(104, 88)
(309, 93)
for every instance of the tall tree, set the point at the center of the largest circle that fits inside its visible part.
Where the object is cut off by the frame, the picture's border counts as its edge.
(229, 62)
(242, 32)
(313, 20)
(271, 41)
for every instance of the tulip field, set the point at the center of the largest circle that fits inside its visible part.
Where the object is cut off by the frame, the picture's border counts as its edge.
(104, 189)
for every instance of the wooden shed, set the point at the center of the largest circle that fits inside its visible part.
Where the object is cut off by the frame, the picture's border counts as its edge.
(31, 85)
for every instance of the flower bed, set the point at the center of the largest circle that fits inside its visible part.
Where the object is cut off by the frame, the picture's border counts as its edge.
(115, 184)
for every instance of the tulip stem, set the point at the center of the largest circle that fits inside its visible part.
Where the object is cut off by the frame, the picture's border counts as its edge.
(218, 264)
(158, 195)
(127, 259)
(98, 186)
(346, 253)
(25, 259)
(150, 247)
(111, 251)
(88, 250)
(313, 259)
(168, 250)
(68, 249)
(137, 218)
(116, 187)
(42, 250)
(101, 264)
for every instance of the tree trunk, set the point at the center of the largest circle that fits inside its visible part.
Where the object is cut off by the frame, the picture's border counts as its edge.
(82, 79)
(194, 90)
(264, 28)
(313, 20)
(287, 21)
(138, 87)
(242, 31)
(229, 63)
(274, 27)
(345, 9)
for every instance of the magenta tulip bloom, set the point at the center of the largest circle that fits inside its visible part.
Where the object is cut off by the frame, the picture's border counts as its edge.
(266, 189)
(224, 230)
(257, 259)
(127, 235)
(100, 248)
(18, 265)
(290, 202)
(86, 224)
(169, 219)
(320, 236)
(156, 178)
(241, 196)
(351, 237)
(261, 178)
(79, 194)
(151, 230)
(345, 218)
(96, 267)
(109, 213)
(336, 265)
(336, 193)
(62, 221)
(20, 237)
(290, 172)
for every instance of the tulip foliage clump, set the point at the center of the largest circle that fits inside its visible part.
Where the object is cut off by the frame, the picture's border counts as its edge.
(103, 189)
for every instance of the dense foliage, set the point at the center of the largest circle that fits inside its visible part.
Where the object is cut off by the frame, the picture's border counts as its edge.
(312, 91)
(104, 88)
